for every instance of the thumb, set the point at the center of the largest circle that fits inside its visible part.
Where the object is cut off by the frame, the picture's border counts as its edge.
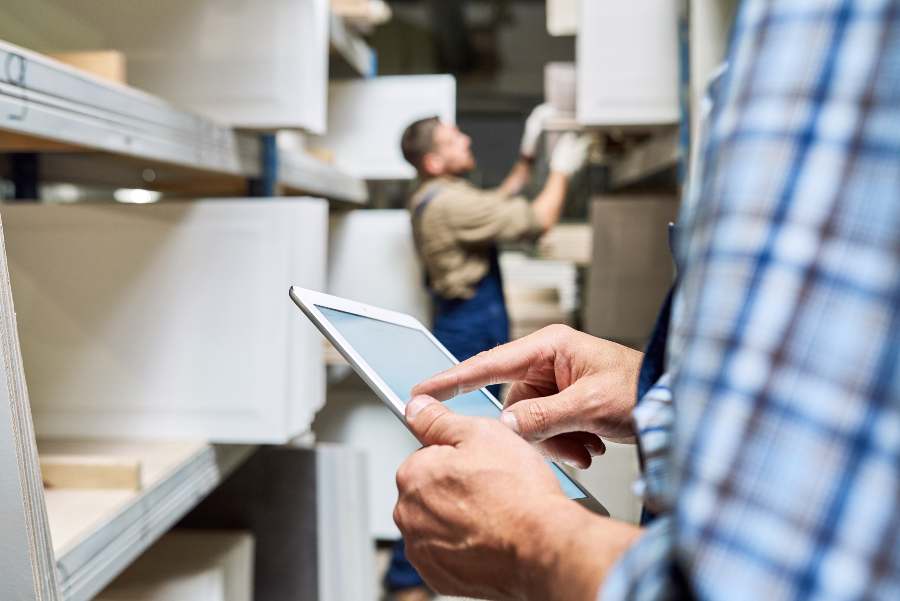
(538, 419)
(433, 423)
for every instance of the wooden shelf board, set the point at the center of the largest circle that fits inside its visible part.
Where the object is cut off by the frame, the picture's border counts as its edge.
(97, 533)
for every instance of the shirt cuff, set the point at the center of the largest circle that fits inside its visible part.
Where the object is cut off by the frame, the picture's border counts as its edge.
(643, 573)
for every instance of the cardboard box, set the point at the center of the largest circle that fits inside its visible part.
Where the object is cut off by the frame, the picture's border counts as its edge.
(632, 268)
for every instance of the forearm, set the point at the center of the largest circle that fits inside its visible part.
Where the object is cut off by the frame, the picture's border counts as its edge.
(571, 550)
(517, 178)
(549, 203)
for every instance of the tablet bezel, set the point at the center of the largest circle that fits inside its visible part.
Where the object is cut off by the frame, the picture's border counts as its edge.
(307, 300)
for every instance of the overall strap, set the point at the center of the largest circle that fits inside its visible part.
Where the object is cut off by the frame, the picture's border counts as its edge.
(427, 197)
(417, 212)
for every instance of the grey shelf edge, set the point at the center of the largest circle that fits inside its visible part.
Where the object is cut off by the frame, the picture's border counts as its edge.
(24, 115)
(352, 48)
(303, 173)
(53, 102)
(86, 569)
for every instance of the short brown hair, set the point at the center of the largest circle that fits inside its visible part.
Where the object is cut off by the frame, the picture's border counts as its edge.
(418, 140)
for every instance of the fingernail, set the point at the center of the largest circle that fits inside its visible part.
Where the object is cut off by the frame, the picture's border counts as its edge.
(571, 463)
(508, 418)
(417, 404)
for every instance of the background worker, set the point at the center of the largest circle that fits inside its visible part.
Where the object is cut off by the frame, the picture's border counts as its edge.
(457, 227)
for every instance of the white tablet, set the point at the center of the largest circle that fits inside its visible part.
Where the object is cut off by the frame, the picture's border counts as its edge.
(393, 352)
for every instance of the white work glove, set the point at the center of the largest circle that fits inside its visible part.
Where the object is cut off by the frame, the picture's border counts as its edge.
(534, 125)
(570, 153)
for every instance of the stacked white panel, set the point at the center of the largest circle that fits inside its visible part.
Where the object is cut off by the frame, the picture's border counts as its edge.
(169, 320)
(371, 259)
(366, 119)
(189, 565)
(242, 62)
(627, 55)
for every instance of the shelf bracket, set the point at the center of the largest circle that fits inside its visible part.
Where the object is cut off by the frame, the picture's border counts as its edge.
(267, 182)
(25, 172)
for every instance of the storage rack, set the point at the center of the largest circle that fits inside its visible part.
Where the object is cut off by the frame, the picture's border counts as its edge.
(59, 124)
(63, 123)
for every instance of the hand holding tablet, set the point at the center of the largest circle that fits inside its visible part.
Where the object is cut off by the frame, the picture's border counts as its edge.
(394, 352)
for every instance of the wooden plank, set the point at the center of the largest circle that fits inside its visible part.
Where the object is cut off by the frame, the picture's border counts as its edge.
(90, 472)
(97, 533)
(108, 64)
(11, 141)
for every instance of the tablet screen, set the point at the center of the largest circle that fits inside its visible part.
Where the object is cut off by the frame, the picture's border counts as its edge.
(404, 356)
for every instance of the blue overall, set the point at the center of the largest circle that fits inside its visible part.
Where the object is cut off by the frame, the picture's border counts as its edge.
(654, 364)
(466, 327)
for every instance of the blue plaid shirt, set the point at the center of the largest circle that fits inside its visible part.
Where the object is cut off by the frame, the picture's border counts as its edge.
(772, 441)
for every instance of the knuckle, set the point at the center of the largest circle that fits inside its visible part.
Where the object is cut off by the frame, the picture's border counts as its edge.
(436, 424)
(538, 418)
(558, 330)
(406, 473)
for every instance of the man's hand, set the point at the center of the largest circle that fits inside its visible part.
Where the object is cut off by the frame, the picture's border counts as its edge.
(534, 125)
(483, 516)
(568, 388)
(570, 153)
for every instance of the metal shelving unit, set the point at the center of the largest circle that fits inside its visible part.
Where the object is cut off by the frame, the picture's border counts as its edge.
(67, 125)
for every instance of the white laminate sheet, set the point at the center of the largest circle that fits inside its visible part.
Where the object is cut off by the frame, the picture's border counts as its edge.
(372, 259)
(169, 320)
(627, 57)
(366, 119)
(193, 565)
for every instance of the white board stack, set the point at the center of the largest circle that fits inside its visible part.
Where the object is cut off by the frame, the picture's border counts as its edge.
(562, 17)
(371, 259)
(538, 292)
(169, 320)
(354, 416)
(366, 118)
(243, 63)
(306, 510)
(559, 87)
(627, 55)
(190, 565)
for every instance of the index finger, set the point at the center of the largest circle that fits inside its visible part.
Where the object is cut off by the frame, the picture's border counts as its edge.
(506, 363)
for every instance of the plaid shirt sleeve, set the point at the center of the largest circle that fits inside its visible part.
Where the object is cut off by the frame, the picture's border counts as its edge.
(779, 470)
